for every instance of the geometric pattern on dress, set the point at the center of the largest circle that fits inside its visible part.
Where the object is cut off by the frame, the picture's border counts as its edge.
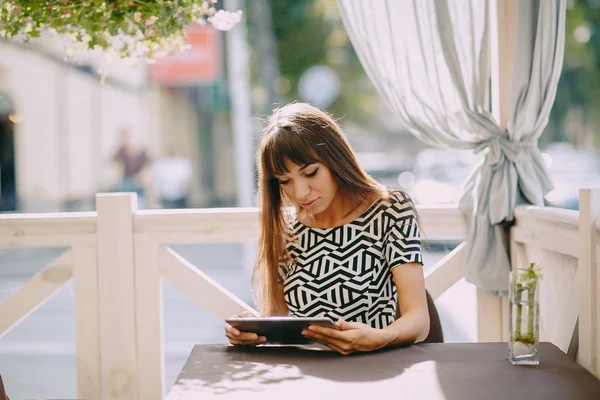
(346, 271)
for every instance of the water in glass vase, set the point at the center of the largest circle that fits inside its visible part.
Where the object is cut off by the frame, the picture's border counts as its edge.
(523, 346)
(524, 325)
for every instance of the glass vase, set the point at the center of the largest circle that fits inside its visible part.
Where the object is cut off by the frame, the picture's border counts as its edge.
(523, 345)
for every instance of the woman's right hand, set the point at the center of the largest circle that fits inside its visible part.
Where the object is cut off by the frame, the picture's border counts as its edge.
(243, 338)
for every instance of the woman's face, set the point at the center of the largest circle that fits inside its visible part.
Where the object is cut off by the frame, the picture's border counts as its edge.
(310, 186)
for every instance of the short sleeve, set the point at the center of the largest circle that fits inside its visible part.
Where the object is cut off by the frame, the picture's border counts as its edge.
(403, 238)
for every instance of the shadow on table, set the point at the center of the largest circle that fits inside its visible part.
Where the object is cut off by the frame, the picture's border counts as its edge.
(247, 369)
(429, 371)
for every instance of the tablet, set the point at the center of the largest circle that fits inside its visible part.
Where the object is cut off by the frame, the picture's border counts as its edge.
(280, 330)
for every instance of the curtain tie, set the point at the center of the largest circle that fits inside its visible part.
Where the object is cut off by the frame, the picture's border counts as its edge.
(500, 146)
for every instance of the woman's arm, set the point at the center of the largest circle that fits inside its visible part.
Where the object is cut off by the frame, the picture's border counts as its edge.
(413, 324)
(411, 327)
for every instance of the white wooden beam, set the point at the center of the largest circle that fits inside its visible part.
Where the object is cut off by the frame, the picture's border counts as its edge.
(552, 214)
(47, 230)
(489, 316)
(504, 19)
(503, 34)
(589, 281)
(37, 291)
(227, 225)
(149, 321)
(557, 240)
(116, 293)
(442, 223)
(87, 321)
(200, 287)
(446, 272)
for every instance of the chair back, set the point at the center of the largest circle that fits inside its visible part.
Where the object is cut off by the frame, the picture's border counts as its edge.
(3, 395)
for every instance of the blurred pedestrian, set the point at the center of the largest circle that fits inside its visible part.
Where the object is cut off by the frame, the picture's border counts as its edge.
(133, 161)
(8, 184)
(171, 176)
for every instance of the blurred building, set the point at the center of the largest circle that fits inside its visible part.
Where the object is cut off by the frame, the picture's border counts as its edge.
(67, 125)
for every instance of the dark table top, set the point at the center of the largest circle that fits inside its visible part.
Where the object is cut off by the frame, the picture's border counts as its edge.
(452, 371)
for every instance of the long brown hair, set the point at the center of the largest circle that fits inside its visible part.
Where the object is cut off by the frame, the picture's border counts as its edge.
(304, 135)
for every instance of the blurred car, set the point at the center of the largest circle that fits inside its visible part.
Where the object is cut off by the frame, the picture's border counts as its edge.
(385, 167)
(387, 177)
(439, 175)
(570, 170)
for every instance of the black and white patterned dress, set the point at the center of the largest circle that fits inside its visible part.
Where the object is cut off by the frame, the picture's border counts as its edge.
(346, 271)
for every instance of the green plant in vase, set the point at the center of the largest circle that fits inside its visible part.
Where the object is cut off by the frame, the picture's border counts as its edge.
(523, 299)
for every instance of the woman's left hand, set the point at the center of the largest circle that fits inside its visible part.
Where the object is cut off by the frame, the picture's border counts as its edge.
(351, 337)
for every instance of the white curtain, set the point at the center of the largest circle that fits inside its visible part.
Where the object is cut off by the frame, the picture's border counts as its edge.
(430, 60)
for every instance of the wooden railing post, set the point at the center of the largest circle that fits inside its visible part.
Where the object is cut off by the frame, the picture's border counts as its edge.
(589, 282)
(116, 296)
(492, 309)
(149, 320)
(87, 322)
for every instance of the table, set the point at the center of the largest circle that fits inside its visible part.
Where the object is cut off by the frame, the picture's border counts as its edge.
(451, 371)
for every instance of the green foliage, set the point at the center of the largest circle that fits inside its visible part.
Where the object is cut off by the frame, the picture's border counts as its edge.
(310, 32)
(526, 280)
(579, 86)
(300, 34)
(130, 29)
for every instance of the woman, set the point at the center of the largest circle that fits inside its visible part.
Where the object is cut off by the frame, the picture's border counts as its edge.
(350, 252)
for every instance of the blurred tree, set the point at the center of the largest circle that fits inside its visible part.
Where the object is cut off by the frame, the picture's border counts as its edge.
(575, 116)
(265, 51)
(310, 32)
(307, 33)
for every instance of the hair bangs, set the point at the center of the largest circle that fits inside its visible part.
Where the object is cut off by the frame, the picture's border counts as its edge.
(287, 144)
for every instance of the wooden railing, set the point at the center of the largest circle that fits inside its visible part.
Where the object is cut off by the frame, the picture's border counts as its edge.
(567, 244)
(118, 256)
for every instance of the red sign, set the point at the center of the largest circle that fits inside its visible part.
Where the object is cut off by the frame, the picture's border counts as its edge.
(199, 64)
